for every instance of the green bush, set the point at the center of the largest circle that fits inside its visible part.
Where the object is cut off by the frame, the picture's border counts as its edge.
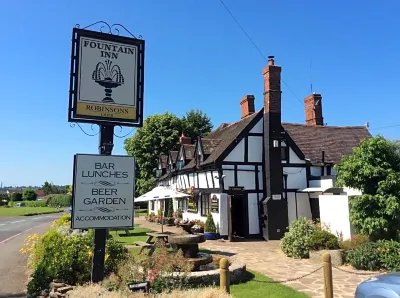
(389, 252)
(210, 225)
(30, 203)
(61, 200)
(16, 197)
(63, 220)
(69, 258)
(354, 242)
(29, 195)
(322, 239)
(296, 242)
(365, 257)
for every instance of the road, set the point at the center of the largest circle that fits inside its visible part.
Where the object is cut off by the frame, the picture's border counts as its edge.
(13, 231)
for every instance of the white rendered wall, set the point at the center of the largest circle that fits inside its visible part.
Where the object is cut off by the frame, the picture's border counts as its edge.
(334, 213)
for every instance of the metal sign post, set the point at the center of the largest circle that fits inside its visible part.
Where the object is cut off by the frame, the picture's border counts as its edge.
(106, 144)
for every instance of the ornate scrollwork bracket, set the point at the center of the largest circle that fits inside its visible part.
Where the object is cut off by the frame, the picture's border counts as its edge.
(73, 124)
(120, 131)
(113, 29)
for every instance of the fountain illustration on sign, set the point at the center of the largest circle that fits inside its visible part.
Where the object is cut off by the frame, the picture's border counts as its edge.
(108, 76)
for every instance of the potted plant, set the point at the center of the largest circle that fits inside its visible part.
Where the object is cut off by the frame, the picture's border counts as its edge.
(210, 230)
(170, 211)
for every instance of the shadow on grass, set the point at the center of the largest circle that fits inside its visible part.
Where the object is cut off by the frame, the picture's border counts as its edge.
(19, 295)
(122, 234)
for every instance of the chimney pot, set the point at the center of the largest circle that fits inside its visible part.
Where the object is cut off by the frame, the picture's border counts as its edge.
(247, 105)
(271, 60)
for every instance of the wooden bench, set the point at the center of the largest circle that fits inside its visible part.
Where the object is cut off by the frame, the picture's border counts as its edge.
(144, 245)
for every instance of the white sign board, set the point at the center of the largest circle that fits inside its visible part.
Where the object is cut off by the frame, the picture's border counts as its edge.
(276, 197)
(103, 194)
(107, 82)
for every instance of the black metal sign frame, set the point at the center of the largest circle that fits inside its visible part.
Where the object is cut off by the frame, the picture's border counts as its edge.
(111, 36)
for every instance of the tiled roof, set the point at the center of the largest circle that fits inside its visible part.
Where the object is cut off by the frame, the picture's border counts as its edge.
(336, 141)
(40, 193)
(189, 150)
(209, 145)
(174, 156)
(228, 134)
(163, 158)
(215, 144)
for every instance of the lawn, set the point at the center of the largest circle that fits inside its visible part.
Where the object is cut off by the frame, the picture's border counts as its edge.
(257, 286)
(142, 212)
(27, 211)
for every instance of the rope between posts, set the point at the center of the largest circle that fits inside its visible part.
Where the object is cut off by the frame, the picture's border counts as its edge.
(288, 280)
(355, 273)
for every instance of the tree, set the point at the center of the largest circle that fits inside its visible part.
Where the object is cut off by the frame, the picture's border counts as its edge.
(16, 197)
(373, 167)
(29, 195)
(159, 135)
(195, 122)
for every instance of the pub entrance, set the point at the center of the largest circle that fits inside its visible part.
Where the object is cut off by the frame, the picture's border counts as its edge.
(239, 215)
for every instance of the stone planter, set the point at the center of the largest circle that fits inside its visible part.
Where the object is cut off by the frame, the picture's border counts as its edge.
(336, 256)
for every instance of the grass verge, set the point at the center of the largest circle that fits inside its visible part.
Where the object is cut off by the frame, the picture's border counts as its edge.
(258, 285)
(27, 211)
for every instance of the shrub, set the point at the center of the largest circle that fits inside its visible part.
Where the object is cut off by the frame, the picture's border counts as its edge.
(170, 208)
(389, 254)
(210, 225)
(29, 195)
(296, 242)
(61, 255)
(64, 220)
(322, 239)
(16, 197)
(365, 257)
(354, 242)
(61, 200)
(159, 269)
(30, 203)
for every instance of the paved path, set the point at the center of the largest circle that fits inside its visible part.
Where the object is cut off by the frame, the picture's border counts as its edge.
(266, 257)
(13, 231)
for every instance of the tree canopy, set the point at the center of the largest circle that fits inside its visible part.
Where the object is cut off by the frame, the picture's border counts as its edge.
(160, 134)
(373, 167)
(29, 194)
(49, 188)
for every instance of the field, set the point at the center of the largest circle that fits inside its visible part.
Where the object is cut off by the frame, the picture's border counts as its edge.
(27, 211)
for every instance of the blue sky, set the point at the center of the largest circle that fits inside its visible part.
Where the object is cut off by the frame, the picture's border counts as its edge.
(196, 57)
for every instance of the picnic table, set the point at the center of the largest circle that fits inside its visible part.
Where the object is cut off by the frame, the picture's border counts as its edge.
(161, 240)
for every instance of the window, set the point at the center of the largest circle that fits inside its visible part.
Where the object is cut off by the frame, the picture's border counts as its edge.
(158, 173)
(205, 204)
(181, 204)
(179, 164)
(151, 205)
(284, 153)
(329, 170)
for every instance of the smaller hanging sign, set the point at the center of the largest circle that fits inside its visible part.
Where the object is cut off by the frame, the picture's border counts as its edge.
(214, 204)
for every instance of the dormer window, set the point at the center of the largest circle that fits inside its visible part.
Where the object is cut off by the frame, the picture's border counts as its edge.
(179, 164)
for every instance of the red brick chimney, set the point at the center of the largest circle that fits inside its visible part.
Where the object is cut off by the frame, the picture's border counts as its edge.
(313, 109)
(247, 105)
(277, 207)
(272, 87)
(185, 140)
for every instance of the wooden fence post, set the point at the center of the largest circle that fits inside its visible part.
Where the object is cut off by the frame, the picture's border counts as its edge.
(224, 279)
(328, 282)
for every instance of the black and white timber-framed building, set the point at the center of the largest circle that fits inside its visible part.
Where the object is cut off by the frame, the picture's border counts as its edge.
(260, 163)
